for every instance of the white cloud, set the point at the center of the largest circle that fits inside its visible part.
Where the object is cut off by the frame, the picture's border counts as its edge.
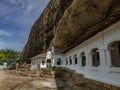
(21, 12)
(3, 33)
(16, 20)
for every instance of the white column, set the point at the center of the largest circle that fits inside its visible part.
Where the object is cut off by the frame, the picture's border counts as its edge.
(89, 64)
(63, 62)
(103, 61)
(88, 58)
(102, 58)
(77, 60)
(108, 55)
(80, 61)
(68, 62)
(73, 61)
(53, 62)
(45, 62)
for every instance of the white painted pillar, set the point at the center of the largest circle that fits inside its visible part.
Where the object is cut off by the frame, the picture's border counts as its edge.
(39, 61)
(73, 63)
(63, 62)
(77, 65)
(80, 61)
(90, 60)
(53, 62)
(102, 58)
(68, 62)
(45, 63)
(87, 55)
(108, 54)
(77, 60)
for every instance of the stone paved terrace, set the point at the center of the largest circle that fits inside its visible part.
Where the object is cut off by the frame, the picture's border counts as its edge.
(66, 80)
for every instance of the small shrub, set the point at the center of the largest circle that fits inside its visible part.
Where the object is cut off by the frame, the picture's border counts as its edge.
(55, 70)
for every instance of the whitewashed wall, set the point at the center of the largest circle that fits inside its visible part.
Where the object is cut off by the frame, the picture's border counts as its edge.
(55, 57)
(35, 62)
(104, 72)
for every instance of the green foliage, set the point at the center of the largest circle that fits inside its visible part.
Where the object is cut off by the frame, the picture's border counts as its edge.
(3, 57)
(56, 5)
(56, 70)
(1, 63)
(9, 55)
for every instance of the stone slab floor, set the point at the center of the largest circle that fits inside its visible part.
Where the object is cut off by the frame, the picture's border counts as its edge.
(13, 82)
(73, 81)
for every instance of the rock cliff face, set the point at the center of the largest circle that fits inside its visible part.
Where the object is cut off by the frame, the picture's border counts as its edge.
(80, 16)
(42, 31)
(63, 21)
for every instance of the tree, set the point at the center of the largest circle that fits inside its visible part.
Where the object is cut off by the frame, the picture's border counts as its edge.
(9, 55)
(3, 58)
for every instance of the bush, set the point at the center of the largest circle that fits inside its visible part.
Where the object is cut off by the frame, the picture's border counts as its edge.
(1, 63)
(55, 70)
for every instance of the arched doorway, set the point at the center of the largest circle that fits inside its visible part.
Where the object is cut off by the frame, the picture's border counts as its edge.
(95, 57)
(75, 59)
(59, 62)
(83, 59)
(48, 62)
(114, 48)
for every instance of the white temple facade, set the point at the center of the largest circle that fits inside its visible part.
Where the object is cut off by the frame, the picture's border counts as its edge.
(38, 61)
(97, 58)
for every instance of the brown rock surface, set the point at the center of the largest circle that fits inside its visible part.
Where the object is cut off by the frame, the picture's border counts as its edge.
(64, 21)
(42, 31)
(80, 16)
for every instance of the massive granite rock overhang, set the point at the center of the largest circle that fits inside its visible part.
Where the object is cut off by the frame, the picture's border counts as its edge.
(67, 23)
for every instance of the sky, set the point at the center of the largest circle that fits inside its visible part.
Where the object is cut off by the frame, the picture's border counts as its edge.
(16, 20)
